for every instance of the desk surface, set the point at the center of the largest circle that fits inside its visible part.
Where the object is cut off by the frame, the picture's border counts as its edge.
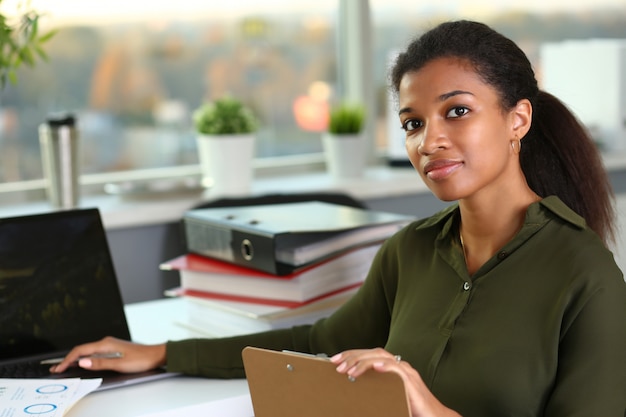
(176, 396)
(155, 322)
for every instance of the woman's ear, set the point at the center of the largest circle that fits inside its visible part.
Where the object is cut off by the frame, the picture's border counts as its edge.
(521, 118)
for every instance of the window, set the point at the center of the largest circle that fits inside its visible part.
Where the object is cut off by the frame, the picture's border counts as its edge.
(133, 78)
(134, 71)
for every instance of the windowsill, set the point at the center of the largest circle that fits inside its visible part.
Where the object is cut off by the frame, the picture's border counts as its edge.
(120, 211)
(379, 182)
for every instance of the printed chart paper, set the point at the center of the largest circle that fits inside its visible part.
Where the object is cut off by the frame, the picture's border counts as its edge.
(42, 397)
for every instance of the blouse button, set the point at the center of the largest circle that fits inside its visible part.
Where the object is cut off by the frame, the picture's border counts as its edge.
(467, 285)
(502, 255)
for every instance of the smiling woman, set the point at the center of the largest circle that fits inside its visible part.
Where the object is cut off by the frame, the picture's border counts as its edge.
(513, 282)
(465, 116)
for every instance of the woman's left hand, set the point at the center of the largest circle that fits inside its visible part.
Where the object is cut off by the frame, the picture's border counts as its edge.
(422, 402)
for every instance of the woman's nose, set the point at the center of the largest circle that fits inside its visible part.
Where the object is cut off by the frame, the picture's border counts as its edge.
(433, 139)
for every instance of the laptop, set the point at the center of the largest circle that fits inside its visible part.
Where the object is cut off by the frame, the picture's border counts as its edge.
(58, 289)
(287, 384)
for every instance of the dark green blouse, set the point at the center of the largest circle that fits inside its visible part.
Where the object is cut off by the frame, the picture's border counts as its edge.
(539, 330)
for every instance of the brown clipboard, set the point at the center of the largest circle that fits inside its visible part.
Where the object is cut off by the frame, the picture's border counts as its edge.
(288, 384)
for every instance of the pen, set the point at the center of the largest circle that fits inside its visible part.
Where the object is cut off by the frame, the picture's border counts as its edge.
(108, 355)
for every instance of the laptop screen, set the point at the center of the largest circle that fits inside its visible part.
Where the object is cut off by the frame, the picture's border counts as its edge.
(58, 286)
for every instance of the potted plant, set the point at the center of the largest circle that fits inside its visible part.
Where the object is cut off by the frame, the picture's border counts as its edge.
(343, 142)
(226, 130)
(20, 43)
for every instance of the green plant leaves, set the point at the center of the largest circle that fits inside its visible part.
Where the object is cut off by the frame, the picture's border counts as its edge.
(225, 115)
(346, 118)
(20, 43)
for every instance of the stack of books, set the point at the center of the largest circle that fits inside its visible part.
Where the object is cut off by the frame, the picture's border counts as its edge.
(257, 268)
(216, 316)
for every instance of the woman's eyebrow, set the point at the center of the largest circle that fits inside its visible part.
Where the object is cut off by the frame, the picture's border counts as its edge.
(446, 96)
(404, 110)
(442, 97)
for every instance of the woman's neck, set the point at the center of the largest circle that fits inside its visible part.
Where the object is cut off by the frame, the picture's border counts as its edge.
(486, 226)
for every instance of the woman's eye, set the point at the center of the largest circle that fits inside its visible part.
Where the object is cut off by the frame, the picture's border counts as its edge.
(411, 125)
(457, 112)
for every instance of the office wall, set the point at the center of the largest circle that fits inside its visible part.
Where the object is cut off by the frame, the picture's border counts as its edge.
(137, 253)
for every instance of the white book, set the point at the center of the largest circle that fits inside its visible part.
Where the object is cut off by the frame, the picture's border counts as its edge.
(336, 244)
(220, 318)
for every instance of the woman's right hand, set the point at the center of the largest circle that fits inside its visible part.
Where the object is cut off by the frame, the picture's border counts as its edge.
(134, 357)
(422, 402)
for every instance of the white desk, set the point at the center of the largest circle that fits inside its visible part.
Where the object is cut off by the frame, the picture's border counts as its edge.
(154, 322)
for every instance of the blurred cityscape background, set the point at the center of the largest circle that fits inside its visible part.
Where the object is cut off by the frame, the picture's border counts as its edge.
(133, 81)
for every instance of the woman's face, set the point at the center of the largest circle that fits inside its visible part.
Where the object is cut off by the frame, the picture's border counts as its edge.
(457, 135)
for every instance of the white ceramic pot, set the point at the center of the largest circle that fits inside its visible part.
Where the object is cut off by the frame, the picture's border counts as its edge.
(345, 155)
(226, 163)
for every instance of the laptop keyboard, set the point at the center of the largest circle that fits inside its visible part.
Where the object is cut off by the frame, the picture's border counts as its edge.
(31, 369)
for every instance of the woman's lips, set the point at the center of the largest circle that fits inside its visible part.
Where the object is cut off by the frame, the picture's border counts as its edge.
(441, 168)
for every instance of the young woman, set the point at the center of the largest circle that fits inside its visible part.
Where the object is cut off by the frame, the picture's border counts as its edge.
(506, 303)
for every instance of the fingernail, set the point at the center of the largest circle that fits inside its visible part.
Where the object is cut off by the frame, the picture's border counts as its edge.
(84, 363)
(341, 367)
(335, 357)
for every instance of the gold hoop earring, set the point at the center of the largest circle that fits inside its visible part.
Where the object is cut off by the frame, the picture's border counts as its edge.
(517, 149)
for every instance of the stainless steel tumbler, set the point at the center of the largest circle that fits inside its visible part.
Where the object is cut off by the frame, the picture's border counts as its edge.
(59, 142)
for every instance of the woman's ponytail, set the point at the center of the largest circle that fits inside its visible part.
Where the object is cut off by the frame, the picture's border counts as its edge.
(560, 158)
